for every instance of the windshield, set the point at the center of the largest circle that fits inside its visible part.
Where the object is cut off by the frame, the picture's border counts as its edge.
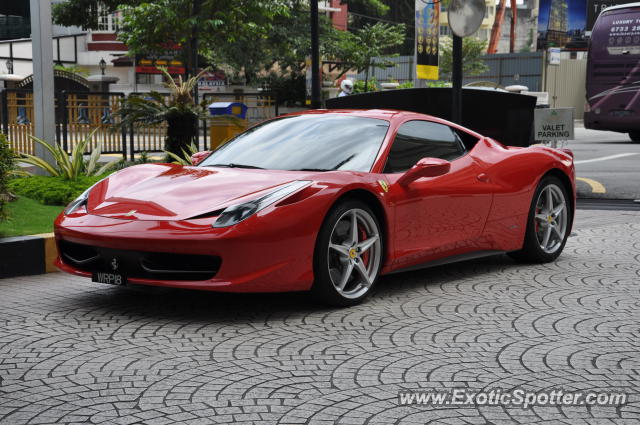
(305, 142)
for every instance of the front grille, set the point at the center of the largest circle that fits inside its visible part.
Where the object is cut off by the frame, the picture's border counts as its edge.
(140, 264)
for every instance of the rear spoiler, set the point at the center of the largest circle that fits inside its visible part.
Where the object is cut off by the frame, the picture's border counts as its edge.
(506, 117)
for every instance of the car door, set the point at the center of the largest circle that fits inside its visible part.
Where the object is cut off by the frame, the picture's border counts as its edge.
(436, 216)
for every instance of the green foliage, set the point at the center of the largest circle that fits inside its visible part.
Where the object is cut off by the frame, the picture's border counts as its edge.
(406, 85)
(143, 158)
(72, 69)
(436, 84)
(249, 36)
(85, 13)
(7, 167)
(289, 90)
(287, 42)
(359, 86)
(185, 156)
(147, 27)
(52, 190)
(69, 167)
(379, 7)
(178, 110)
(357, 49)
(363, 12)
(28, 217)
(473, 49)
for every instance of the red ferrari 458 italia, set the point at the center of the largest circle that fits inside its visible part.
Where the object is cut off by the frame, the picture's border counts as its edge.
(325, 201)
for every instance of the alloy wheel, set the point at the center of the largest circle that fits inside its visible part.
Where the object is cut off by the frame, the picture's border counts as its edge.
(551, 218)
(354, 253)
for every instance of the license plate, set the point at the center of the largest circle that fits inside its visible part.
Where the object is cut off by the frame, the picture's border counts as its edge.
(621, 113)
(109, 278)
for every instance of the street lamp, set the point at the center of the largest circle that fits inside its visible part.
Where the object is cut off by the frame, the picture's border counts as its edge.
(103, 65)
(9, 64)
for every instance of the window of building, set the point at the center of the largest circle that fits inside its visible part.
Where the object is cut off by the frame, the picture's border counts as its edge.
(108, 22)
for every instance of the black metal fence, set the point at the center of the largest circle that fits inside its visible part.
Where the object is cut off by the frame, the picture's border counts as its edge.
(78, 114)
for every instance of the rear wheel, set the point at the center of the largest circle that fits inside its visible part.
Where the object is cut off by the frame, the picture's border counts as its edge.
(348, 254)
(548, 223)
(635, 136)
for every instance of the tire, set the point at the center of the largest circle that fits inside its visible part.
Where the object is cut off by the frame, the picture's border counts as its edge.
(341, 264)
(634, 136)
(538, 247)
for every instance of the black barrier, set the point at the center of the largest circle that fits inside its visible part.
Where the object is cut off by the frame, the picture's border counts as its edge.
(506, 117)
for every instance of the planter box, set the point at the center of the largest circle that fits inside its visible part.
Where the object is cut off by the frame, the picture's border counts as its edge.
(27, 255)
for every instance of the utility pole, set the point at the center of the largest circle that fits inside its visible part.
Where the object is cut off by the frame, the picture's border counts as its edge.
(456, 80)
(315, 57)
(43, 89)
(192, 67)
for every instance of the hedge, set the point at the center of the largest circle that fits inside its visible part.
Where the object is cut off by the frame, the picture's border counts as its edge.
(51, 190)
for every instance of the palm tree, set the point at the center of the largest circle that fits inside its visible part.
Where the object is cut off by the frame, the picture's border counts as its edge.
(178, 110)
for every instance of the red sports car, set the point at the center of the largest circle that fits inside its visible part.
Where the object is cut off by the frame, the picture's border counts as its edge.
(325, 201)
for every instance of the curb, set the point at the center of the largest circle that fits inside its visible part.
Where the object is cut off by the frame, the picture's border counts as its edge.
(27, 255)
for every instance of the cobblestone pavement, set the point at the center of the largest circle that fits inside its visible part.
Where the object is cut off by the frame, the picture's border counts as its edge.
(72, 351)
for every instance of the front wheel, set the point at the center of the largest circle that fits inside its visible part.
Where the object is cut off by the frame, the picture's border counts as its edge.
(548, 223)
(634, 136)
(348, 254)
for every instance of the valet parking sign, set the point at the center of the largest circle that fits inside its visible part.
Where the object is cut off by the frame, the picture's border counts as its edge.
(553, 124)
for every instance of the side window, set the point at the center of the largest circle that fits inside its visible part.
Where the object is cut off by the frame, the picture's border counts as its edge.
(421, 139)
(467, 139)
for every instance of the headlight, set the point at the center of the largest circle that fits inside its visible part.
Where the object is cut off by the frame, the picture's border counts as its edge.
(77, 203)
(236, 213)
(80, 200)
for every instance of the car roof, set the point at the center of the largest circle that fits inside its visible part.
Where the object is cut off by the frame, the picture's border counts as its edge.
(385, 114)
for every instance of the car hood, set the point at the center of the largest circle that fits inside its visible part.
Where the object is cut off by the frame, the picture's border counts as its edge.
(175, 192)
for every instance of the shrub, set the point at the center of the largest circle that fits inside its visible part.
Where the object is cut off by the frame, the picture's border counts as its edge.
(406, 85)
(52, 190)
(144, 158)
(7, 169)
(185, 158)
(372, 85)
(69, 167)
(178, 110)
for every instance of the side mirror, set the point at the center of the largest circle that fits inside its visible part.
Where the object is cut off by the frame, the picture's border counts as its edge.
(426, 167)
(197, 157)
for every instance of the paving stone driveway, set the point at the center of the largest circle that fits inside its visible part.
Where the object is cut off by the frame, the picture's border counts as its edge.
(76, 352)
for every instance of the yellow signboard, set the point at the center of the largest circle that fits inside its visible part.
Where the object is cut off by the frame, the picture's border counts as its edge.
(427, 39)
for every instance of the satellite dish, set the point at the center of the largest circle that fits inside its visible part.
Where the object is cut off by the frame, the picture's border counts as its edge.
(465, 16)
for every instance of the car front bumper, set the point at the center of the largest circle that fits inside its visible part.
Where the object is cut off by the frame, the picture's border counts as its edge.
(265, 253)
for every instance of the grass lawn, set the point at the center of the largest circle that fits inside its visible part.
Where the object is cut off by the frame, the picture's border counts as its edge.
(28, 217)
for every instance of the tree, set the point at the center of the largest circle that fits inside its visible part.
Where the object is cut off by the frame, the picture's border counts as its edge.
(374, 6)
(284, 48)
(149, 27)
(359, 48)
(86, 13)
(472, 51)
(154, 27)
(392, 11)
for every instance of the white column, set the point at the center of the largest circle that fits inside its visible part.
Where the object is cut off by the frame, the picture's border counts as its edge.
(43, 91)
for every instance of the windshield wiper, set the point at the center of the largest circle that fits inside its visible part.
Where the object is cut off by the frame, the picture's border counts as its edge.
(232, 165)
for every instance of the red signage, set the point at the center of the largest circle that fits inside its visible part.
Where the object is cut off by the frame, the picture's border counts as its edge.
(173, 70)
